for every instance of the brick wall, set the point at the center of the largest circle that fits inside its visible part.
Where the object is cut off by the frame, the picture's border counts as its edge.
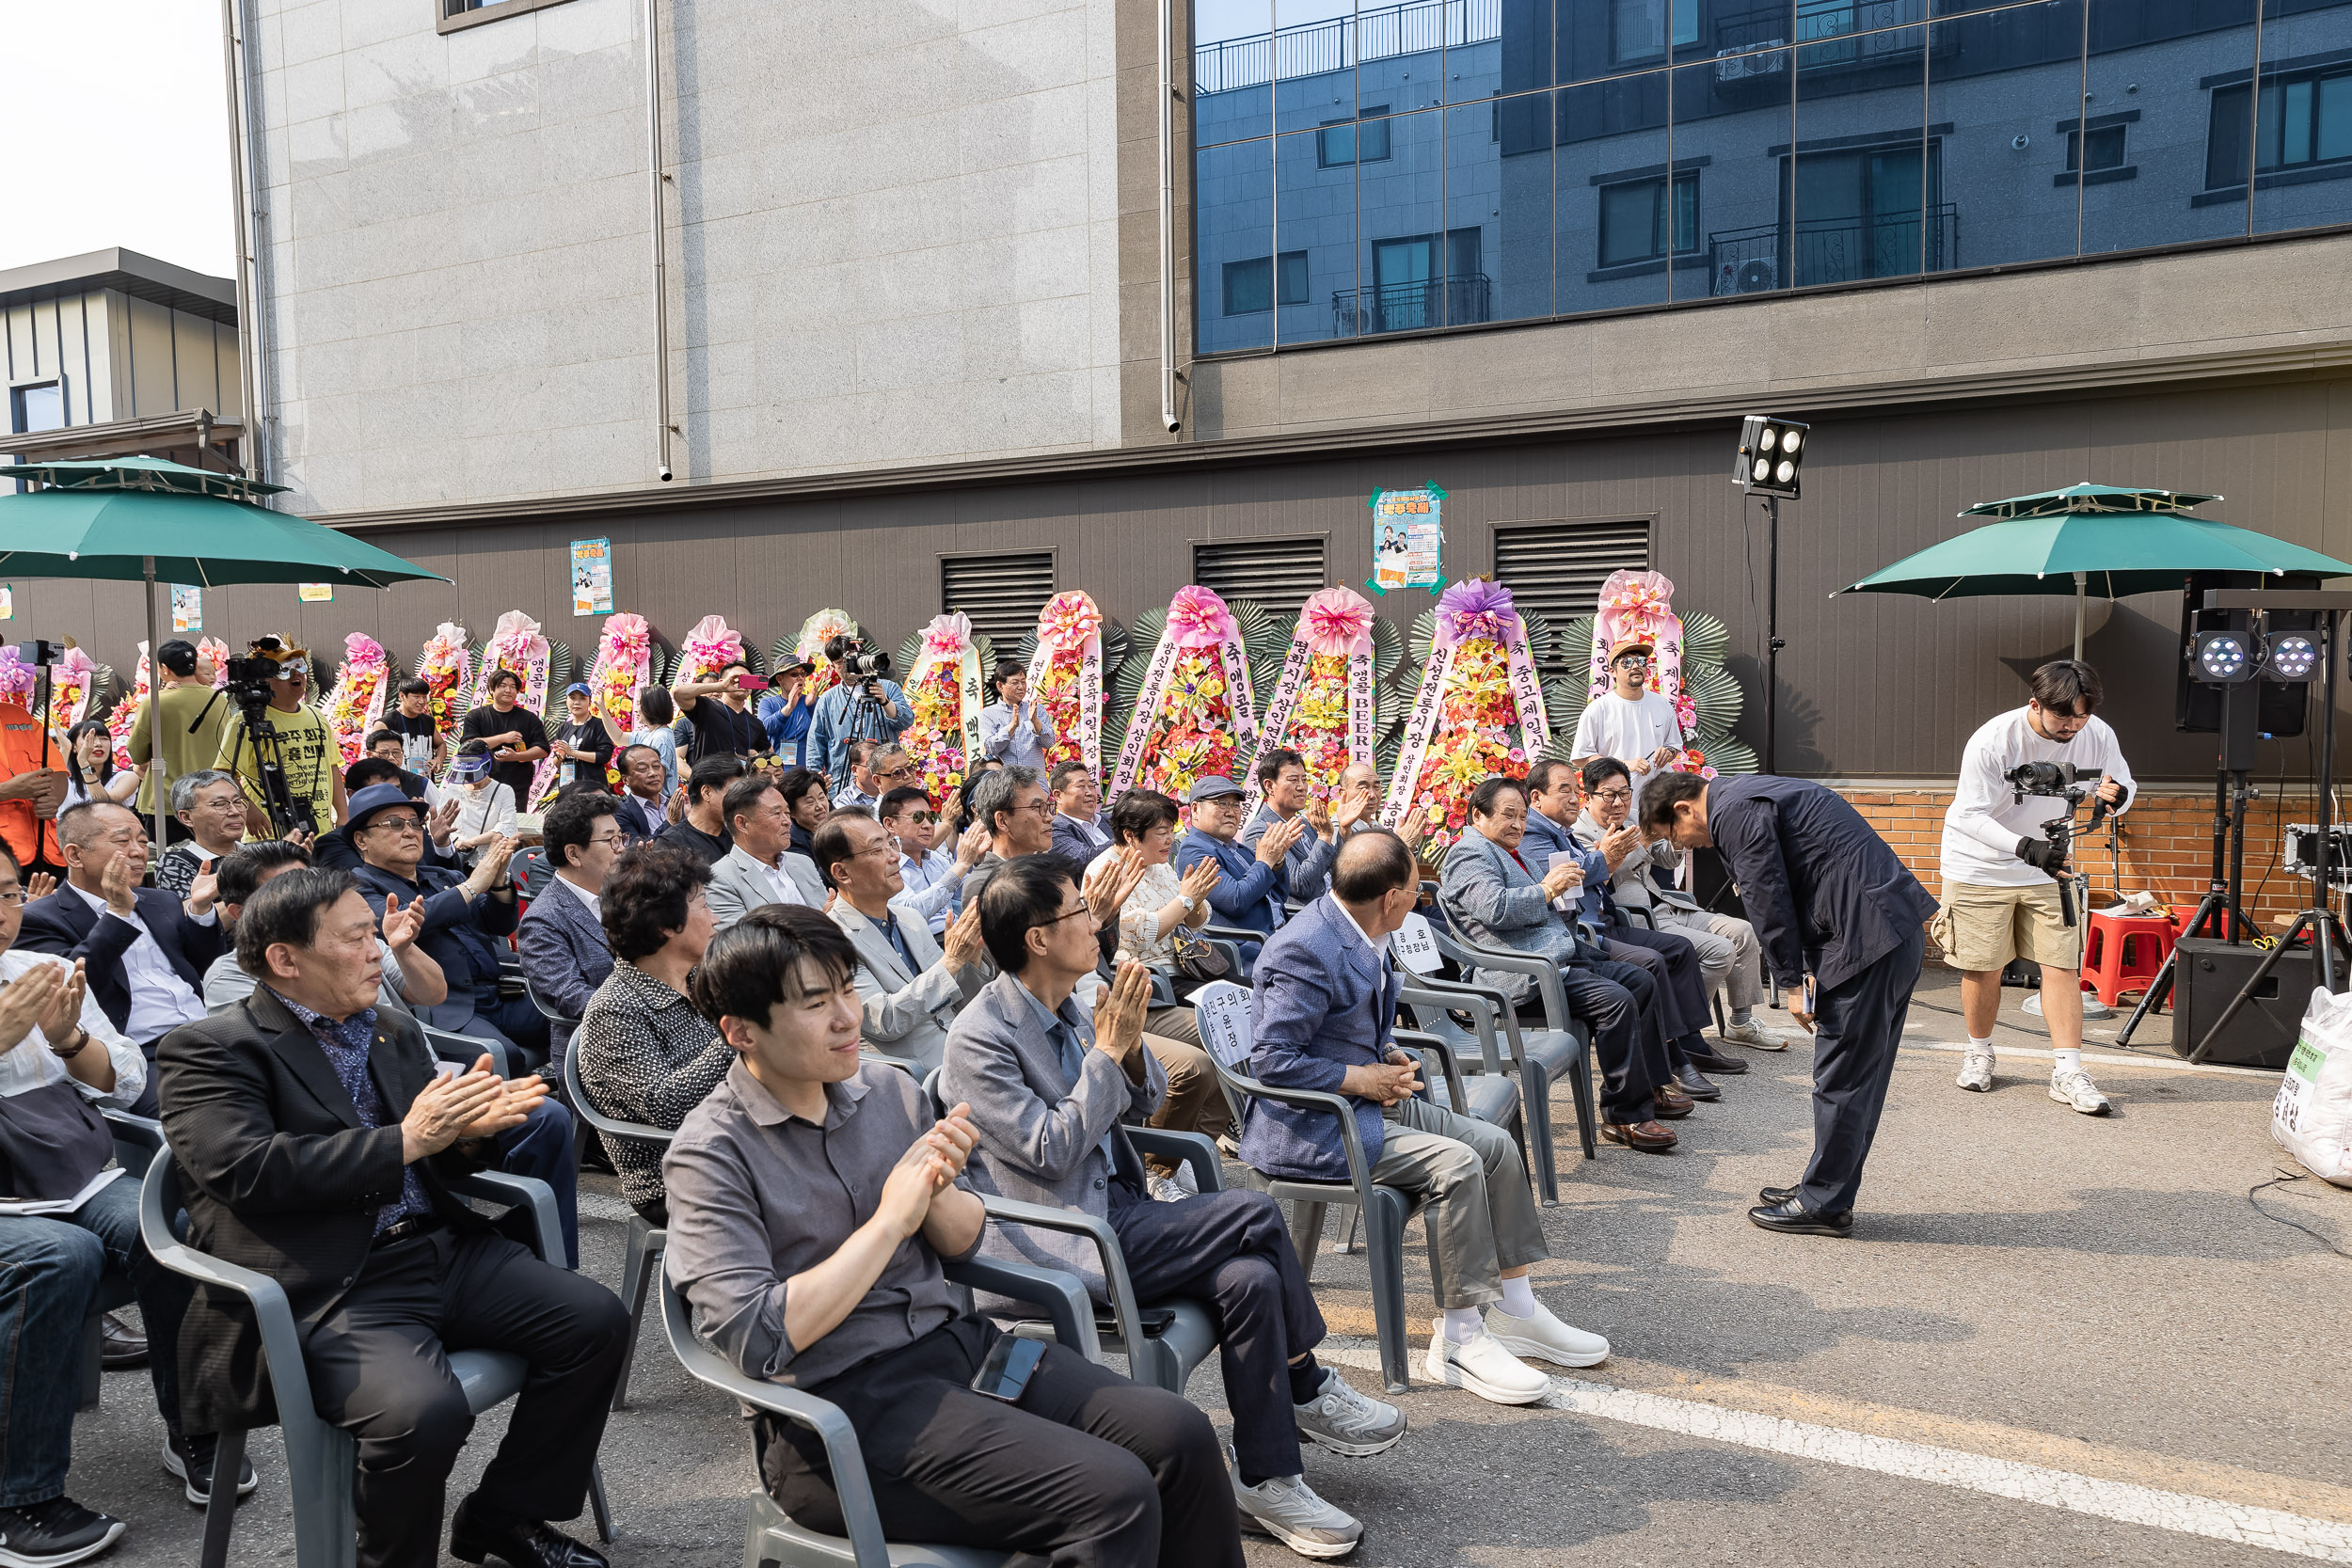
(2167, 842)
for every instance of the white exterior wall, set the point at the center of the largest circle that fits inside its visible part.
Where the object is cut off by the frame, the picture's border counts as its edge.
(892, 241)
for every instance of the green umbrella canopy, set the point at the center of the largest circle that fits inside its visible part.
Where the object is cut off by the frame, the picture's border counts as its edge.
(2087, 497)
(2116, 553)
(107, 519)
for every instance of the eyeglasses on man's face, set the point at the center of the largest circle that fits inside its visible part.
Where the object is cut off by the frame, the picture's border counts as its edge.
(1043, 808)
(1065, 914)
(899, 772)
(402, 824)
(1614, 793)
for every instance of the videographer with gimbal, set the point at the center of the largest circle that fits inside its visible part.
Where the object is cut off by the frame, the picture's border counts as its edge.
(282, 751)
(864, 706)
(2006, 839)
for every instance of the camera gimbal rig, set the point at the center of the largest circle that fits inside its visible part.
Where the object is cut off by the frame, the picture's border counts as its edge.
(2059, 781)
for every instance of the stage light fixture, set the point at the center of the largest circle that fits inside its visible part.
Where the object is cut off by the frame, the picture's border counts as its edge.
(1770, 453)
(2292, 656)
(2222, 657)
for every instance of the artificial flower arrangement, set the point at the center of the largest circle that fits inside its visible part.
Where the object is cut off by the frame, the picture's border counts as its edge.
(623, 666)
(809, 648)
(1194, 714)
(126, 712)
(72, 682)
(17, 679)
(357, 703)
(1066, 678)
(1479, 712)
(517, 644)
(708, 648)
(443, 666)
(1324, 707)
(943, 688)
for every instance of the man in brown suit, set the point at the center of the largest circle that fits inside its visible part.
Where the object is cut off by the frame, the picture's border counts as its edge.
(314, 1138)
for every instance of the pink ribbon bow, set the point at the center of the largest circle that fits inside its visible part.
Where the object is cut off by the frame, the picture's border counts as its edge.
(1338, 621)
(1068, 620)
(1199, 619)
(362, 652)
(948, 635)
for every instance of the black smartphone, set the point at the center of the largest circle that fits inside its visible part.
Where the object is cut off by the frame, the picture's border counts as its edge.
(1009, 1366)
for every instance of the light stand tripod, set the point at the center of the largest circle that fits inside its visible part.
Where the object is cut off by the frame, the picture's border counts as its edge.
(277, 798)
(2320, 919)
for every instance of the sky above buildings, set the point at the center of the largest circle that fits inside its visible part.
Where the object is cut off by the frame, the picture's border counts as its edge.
(119, 123)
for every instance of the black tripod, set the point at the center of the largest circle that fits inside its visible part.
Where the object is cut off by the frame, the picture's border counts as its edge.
(2217, 913)
(277, 798)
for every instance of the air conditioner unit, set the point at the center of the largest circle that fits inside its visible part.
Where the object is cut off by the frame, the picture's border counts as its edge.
(1757, 275)
(1732, 65)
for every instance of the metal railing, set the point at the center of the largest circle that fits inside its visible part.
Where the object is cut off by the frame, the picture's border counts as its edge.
(1403, 306)
(1831, 250)
(1340, 42)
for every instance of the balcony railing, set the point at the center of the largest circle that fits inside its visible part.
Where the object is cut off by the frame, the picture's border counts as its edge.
(1340, 42)
(1767, 27)
(1831, 250)
(1403, 306)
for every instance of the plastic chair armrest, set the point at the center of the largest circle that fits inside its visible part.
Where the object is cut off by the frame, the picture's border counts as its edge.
(1122, 1290)
(281, 1345)
(1193, 1148)
(499, 1187)
(1228, 933)
(1545, 972)
(1481, 1016)
(1413, 1040)
(1163, 989)
(1063, 1297)
(137, 1139)
(1351, 1142)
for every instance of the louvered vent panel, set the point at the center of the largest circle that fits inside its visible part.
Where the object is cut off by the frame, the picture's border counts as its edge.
(1001, 593)
(1280, 573)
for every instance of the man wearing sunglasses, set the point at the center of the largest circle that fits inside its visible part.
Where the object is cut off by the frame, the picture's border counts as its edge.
(876, 768)
(933, 877)
(1629, 721)
(306, 751)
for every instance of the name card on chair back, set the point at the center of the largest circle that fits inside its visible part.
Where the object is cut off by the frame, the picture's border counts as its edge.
(1221, 1008)
(1415, 945)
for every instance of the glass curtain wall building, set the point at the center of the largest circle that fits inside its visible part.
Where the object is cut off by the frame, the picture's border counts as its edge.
(1428, 164)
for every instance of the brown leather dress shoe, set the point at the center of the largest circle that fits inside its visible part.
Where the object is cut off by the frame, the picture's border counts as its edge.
(1668, 1102)
(1646, 1137)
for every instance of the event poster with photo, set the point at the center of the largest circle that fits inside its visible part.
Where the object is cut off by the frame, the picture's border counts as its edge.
(315, 592)
(187, 609)
(592, 577)
(1407, 534)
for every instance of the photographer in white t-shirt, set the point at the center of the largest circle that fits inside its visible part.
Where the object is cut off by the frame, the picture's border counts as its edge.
(1629, 721)
(2000, 892)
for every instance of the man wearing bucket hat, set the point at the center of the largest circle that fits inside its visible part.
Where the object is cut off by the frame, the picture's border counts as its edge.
(1629, 721)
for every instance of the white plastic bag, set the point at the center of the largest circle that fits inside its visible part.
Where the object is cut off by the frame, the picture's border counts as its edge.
(2312, 1116)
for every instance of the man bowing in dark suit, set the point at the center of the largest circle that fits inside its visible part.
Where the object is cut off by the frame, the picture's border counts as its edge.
(315, 1140)
(144, 951)
(1841, 920)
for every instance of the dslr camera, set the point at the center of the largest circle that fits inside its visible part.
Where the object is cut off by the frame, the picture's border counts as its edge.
(250, 676)
(858, 663)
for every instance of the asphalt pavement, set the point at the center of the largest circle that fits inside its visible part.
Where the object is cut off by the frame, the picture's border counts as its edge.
(2051, 1338)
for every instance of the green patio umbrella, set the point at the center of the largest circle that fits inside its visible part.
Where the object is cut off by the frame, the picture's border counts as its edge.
(142, 519)
(2087, 539)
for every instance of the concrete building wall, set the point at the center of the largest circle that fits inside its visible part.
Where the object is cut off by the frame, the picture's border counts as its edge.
(893, 238)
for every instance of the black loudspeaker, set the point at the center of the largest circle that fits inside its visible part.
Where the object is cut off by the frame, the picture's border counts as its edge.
(2207, 973)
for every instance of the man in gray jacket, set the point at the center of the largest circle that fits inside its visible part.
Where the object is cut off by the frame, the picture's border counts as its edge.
(762, 867)
(1048, 1086)
(911, 990)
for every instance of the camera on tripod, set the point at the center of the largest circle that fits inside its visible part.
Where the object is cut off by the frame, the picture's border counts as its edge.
(858, 663)
(248, 689)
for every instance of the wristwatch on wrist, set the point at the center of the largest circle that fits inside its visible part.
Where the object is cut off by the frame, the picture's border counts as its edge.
(80, 1047)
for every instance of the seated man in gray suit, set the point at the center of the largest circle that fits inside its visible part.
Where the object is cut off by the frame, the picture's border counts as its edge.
(910, 988)
(1323, 1017)
(1307, 864)
(761, 868)
(1047, 1086)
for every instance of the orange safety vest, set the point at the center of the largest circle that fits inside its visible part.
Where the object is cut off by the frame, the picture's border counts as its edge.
(28, 838)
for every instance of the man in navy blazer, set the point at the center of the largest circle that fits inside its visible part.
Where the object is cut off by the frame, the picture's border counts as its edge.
(560, 936)
(145, 952)
(1248, 893)
(1837, 911)
(1323, 1015)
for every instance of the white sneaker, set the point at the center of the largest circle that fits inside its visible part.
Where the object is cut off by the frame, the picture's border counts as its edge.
(1752, 1035)
(1348, 1422)
(1162, 1189)
(1185, 1182)
(1287, 1508)
(2076, 1089)
(1545, 1338)
(1484, 1367)
(1976, 1072)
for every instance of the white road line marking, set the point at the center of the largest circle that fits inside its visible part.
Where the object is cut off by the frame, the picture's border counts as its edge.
(2179, 1512)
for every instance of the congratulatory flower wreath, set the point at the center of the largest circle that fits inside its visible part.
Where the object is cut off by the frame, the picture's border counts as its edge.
(944, 689)
(1479, 711)
(1193, 716)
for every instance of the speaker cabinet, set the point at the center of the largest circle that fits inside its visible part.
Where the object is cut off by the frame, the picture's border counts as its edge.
(2207, 973)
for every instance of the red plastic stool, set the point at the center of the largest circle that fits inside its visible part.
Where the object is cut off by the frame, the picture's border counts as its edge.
(2120, 950)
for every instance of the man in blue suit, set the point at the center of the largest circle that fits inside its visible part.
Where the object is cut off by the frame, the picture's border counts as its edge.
(1248, 893)
(1841, 920)
(1323, 1015)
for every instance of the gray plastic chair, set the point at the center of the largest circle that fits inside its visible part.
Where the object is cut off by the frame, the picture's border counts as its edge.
(466, 1050)
(1224, 1030)
(772, 1539)
(136, 1140)
(1561, 1049)
(320, 1459)
(1231, 938)
(548, 1009)
(647, 1245)
(1494, 1042)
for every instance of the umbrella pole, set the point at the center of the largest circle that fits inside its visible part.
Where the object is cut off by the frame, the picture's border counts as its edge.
(2082, 593)
(158, 775)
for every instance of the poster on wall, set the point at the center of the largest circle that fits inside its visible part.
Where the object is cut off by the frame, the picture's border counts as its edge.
(1407, 537)
(8, 601)
(315, 592)
(592, 577)
(187, 609)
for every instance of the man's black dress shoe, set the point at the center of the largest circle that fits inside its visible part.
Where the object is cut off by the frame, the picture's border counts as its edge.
(1776, 1194)
(117, 1346)
(1708, 1061)
(1795, 1219)
(520, 1545)
(1686, 1079)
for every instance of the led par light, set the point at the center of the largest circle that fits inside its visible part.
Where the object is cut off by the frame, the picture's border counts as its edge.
(2223, 658)
(1770, 453)
(2291, 656)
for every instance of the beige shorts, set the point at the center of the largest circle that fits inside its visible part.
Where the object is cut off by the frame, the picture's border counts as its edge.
(1984, 927)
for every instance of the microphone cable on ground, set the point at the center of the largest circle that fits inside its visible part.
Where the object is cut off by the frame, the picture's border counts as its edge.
(2281, 1179)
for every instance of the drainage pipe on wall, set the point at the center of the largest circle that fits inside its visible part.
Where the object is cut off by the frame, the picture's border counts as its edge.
(245, 186)
(1168, 227)
(654, 177)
